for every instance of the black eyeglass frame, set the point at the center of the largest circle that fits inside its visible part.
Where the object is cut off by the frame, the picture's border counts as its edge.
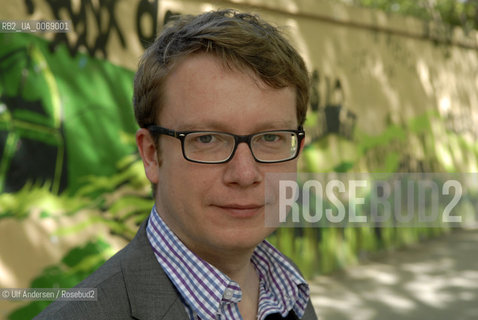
(181, 135)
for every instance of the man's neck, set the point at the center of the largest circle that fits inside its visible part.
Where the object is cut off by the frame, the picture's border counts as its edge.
(239, 268)
(235, 264)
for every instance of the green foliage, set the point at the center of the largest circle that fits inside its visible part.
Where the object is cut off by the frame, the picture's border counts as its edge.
(460, 13)
(120, 203)
(75, 266)
(34, 197)
(82, 108)
(324, 249)
(76, 255)
(116, 200)
(344, 166)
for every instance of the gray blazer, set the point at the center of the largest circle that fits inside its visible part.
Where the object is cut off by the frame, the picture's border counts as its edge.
(131, 285)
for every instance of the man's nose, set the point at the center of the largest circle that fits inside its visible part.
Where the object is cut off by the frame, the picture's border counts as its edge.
(242, 169)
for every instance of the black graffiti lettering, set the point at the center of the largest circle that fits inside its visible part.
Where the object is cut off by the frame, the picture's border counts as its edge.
(170, 16)
(30, 6)
(105, 24)
(108, 6)
(332, 116)
(147, 9)
(336, 95)
(314, 91)
(333, 91)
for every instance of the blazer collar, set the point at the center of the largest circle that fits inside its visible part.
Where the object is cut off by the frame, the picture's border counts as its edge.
(151, 294)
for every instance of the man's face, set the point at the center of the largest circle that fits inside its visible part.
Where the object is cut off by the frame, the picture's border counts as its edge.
(216, 208)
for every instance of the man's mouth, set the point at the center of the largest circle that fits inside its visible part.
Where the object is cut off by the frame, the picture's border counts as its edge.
(241, 210)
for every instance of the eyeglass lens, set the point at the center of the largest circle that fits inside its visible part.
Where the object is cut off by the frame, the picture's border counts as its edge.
(217, 147)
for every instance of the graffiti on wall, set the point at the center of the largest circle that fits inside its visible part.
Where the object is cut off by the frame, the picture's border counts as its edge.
(31, 133)
(95, 23)
(327, 108)
(50, 107)
(33, 145)
(104, 24)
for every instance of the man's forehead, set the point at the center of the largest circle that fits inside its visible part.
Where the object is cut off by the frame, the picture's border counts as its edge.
(195, 61)
(204, 80)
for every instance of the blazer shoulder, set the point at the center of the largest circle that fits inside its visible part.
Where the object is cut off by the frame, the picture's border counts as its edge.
(111, 302)
(111, 287)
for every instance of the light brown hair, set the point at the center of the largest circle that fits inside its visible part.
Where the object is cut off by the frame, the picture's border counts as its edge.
(239, 39)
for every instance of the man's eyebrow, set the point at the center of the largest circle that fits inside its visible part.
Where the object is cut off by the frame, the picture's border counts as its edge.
(222, 126)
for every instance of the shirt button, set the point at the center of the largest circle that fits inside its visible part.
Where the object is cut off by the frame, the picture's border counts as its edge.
(228, 294)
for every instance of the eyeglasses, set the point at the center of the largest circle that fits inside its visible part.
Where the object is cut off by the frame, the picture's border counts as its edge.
(219, 147)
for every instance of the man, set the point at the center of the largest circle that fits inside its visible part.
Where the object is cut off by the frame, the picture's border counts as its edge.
(220, 99)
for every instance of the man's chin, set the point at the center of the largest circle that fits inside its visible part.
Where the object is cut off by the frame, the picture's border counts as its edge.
(245, 239)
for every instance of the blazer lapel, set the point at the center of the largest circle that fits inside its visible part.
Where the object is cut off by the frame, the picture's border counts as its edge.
(150, 292)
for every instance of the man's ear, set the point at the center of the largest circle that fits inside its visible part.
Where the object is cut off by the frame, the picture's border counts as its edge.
(149, 154)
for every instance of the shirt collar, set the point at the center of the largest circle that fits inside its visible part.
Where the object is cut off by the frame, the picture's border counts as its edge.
(281, 279)
(203, 287)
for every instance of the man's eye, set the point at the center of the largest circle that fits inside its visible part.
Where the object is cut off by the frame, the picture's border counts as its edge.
(270, 137)
(207, 138)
